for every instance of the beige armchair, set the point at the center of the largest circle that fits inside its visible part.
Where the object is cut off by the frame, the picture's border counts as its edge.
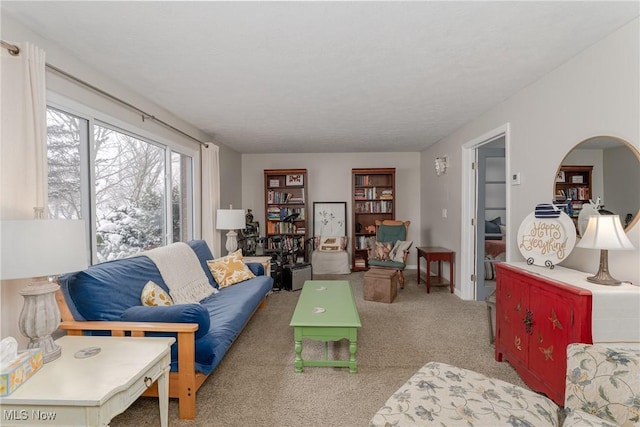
(329, 255)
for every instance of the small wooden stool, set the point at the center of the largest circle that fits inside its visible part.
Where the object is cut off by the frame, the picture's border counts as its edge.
(381, 285)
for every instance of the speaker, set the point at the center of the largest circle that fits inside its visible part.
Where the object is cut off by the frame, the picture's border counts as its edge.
(294, 276)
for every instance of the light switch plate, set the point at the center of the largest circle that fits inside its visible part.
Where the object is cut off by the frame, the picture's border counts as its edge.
(515, 178)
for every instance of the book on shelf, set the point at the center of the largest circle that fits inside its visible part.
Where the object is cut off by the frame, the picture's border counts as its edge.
(382, 206)
(282, 197)
(373, 193)
(275, 213)
(281, 228)
(574, 193)
(362, 242)
(360, 263)
(387, 194)
(362, 180)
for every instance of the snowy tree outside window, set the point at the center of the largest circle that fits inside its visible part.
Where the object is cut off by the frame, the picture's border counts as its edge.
(128, 202)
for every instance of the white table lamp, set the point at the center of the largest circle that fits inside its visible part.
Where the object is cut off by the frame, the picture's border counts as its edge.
(40, 248)
(604, 232)
(231, 219)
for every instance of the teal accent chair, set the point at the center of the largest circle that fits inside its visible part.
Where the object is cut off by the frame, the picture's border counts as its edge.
(391, 230)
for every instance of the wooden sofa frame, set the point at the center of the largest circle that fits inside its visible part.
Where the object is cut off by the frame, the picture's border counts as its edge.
(184, 383)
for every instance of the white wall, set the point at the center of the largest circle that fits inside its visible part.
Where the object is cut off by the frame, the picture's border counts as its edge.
(620, 169)
(329, 180)
(594, 93)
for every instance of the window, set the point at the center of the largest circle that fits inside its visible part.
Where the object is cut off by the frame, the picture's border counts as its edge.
(66, 135)
(137, 192)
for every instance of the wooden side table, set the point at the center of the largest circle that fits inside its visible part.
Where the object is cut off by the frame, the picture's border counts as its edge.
(435, 253)
(90, 391)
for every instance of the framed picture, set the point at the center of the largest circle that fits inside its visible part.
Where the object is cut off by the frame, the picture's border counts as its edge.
(295, 180)
(560, 177)
(577, 179)
(330, 218)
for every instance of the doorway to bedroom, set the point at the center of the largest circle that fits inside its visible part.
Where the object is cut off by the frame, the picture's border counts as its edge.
(491, 211)
(484, 214)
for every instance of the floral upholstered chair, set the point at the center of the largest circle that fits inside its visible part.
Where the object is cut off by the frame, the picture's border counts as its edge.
(602, 389)
(444, 395)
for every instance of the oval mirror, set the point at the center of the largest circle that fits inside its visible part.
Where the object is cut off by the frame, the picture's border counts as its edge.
(600, 174)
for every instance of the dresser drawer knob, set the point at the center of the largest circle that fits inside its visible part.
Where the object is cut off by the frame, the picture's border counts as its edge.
(528, 322)
(148, 381)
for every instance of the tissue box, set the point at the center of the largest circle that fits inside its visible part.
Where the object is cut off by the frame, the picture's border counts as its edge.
(20, 370)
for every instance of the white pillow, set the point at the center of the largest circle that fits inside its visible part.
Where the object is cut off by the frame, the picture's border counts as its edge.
(332, 243)
(397, 253)
(154, 296)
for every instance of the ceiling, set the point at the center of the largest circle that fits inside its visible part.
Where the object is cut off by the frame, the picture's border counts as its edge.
(305, 77)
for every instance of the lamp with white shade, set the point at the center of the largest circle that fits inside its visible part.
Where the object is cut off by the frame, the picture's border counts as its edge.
(231, 219)
(40, 248)
(604, 232)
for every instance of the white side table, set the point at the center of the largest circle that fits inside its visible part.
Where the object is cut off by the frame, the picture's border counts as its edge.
(264, 260)
(90, 391)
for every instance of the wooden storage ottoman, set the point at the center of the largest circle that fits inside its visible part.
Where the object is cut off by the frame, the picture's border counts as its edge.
(381, 285)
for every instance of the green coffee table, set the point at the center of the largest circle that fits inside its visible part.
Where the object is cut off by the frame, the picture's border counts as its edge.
(326, 311)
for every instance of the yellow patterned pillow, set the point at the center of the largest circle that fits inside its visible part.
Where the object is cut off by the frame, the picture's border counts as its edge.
(154, 296)
(230, 269)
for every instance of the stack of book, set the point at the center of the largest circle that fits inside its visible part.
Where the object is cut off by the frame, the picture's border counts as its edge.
(387, 194)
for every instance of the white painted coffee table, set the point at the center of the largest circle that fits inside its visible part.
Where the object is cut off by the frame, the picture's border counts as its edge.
(90, 391)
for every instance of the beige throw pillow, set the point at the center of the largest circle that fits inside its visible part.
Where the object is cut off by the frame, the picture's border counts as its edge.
(397, 253)
(382, 251)
(332, 243)
(154, 296)
(230, 269)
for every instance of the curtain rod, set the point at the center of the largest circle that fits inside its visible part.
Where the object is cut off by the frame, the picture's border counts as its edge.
(15, 50)
(12, 48)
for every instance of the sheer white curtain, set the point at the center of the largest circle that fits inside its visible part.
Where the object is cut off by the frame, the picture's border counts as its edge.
(23, 156)
(210, 196)
(23, 141)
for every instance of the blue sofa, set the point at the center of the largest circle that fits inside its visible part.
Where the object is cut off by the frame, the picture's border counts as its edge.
(105, 299)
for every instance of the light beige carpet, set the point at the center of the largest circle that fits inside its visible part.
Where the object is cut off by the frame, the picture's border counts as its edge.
(255, 385)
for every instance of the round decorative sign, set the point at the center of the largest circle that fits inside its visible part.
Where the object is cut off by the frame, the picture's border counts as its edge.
(546, 241)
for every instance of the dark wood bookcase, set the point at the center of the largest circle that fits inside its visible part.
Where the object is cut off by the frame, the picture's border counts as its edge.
(285, 194)
(373, 198)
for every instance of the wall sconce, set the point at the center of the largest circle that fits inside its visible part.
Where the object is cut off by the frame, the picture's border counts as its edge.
(604, 232)
(442, 163)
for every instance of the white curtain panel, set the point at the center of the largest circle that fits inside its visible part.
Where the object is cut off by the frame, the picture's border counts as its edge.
(23, 157)
(210, 196)
(23, 141)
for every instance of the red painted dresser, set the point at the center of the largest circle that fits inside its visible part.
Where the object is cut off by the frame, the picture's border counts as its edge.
(540, 311)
